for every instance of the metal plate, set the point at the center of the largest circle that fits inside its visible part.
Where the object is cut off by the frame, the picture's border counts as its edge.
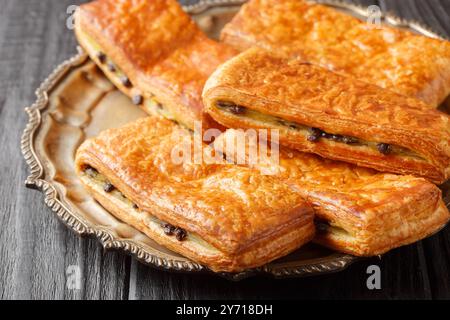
(76, 102)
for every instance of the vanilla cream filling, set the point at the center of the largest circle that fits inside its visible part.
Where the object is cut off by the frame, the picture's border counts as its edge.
(97, 181)
(150, 103)
(93, 48)
(279, 123)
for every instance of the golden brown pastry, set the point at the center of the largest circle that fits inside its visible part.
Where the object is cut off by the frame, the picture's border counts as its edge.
(402, 61)
(153, 52)
(357, 210)
(326, 113)
(227, 217)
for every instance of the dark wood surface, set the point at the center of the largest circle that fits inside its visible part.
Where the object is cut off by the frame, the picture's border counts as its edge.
(36, 249)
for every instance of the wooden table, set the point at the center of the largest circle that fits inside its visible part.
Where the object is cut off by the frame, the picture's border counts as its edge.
(36, 249)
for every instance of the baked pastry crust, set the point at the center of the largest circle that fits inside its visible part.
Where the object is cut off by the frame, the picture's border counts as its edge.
(235, 217)
(399, 60)
(158, 48)
(358, 211)
(310, 97)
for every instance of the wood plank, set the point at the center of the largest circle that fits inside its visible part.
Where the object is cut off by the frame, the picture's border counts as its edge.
(435, 14)
(401, 277)
(35, 248)
(432, 13)
(437, 254)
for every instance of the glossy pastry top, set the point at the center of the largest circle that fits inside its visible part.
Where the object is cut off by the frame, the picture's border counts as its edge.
(233, 208)
(365, 212)
(395, 59)
(158, 46)
(310, 95)
(364, 194)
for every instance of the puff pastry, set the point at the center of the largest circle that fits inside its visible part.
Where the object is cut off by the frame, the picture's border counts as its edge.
(357, 210)
(227, 217)
(153, 52)
(405, 62)
(326, 113)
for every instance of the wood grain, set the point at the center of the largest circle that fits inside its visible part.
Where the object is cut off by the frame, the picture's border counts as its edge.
(36, 249)
(436, 250)
(432, 13)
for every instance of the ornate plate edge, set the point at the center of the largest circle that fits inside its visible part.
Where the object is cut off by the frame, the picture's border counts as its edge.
(340, 263)
(108, 240)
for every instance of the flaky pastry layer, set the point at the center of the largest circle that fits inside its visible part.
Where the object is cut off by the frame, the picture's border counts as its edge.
(224, 216)
(399, 60)
(358, 211)
(153, 52)
(329, 114)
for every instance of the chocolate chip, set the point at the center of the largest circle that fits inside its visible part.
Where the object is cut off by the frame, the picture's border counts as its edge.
(315, 131)
(111, 67)
(180, 234)
(135, 206)
(326, 135)
(168, 229)
(108, 187)
(314, 134)
(232, 107)
(322, 227)
(171, 230)
(384, 148)
(237, 109)
(336, 137)
(137, 99)
(125, 81)
(313, 138)
(101, 57)
(159, 105)
(349, 140)
(91, 171)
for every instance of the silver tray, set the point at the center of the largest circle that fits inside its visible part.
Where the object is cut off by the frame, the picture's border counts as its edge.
(76, 102)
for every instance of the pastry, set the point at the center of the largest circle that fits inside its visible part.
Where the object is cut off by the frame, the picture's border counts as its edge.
(153, 52)
(226, 217)
(399, 60)
(357, 210)
(329, 114)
